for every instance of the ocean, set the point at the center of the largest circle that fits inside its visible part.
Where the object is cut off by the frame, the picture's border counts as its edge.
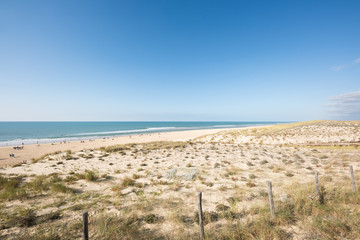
(17, 133)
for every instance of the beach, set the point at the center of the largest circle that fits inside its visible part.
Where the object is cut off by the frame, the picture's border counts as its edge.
(33, 151)
(146, 185)
(179, 120)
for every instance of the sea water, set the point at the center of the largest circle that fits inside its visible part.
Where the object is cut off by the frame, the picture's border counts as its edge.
(16, 133)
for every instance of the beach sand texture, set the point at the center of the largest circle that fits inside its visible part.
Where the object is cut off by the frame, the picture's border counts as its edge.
(34, 151)
(148, 189)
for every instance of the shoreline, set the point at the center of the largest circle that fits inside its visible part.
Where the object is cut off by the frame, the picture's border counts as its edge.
(118, 133)
(33, 151)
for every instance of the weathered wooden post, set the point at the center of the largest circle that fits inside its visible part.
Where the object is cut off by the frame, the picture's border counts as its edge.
(271, 199)
(317, 185)
(352, 178)
(85, 226)
(201, 217)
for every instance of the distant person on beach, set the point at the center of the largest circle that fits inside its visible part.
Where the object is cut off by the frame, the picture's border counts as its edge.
(18, 148)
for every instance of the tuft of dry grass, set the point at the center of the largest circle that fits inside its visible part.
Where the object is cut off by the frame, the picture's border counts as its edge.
(91, 176)
(127, 182)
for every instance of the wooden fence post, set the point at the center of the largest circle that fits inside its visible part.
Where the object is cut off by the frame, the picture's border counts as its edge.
(271, 199)
(85, 226)
(317, 185)
(201, 217)
(352, 178)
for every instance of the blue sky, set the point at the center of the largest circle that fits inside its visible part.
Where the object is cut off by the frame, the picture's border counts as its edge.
(179, 60)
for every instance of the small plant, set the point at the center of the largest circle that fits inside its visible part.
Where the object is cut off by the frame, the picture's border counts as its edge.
(17, 165)
(136, 176)
(151, 218)
(25, 218)
(79, 176)
(322, 195)
(90, 176)
(60, 188)
(250, 184)
(127, 182)
(209, 184)
(263, 162)
(208, 217)
(249, 164)
(106, 176)
(70, 179)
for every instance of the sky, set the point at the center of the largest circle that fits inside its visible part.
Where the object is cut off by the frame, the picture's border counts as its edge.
(179, 60)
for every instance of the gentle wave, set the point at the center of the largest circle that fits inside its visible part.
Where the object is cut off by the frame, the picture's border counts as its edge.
(85, 136)
(225, 126)
(126, 131)
(35, 141)
(44, 140)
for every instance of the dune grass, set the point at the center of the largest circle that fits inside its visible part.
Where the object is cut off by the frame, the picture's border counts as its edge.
(336, 217)
(144, 147)
(15, 188)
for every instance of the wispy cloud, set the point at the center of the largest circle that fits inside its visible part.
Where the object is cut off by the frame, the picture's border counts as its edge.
(345, 106)
(339, 67)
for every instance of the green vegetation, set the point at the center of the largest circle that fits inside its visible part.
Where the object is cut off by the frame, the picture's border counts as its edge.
(151, 218)
(12, 188)
(127, 182)
(90, 176)
(333, 147)
(43, 157)
(335, 217)
(61, 188)
(145, 147)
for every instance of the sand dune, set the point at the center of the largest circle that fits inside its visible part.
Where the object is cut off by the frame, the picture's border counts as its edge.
(147, 189)
(36, 151)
